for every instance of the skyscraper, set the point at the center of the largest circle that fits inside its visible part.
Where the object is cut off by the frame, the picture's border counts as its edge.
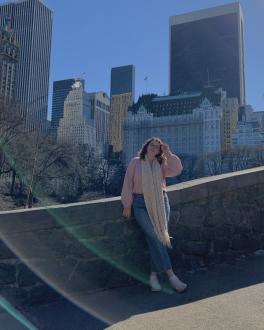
(122, 96)
(123, 80)
(9, 51)
(32, 22)
(61, 89)
(100, 112)
(76, 126)
(207, 47)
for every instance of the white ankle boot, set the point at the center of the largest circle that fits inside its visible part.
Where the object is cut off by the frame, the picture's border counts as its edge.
(177, 284)
(154, 283)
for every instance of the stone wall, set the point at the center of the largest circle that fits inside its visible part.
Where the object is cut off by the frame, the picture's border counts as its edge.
(89, 246)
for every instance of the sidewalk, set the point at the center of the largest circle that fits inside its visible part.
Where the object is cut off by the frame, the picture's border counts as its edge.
(8, 322)
(226, 297)
(223, 297)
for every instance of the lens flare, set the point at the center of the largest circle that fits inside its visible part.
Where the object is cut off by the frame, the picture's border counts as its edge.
(63, 273)
(15, 314)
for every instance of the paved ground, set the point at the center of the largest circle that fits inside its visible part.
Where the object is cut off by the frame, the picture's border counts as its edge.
(8, 322)
(224, 297)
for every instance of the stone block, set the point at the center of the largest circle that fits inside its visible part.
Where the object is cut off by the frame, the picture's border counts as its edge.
(39, 244)
(25, 276)
(232, 216)
(15, 296)
(197, 234)
(231, 257)
(180, 232)
(246, 179)
(221, 245)
(82, 249)
(20, 221)
(136, 241)
(42, 294)
(221, 185)
(114, 229)
(248, 244)
(175, 216)
(223, 230)
(117, 278)
(195, 248)
(214, 217)
(130, 226)
(193, 262)
(261, 241)
(261, 177)
(5, 252)
(113, 210)
(229, 198)
(90, 276)
(55, 271)
(192, 215)
(81, 214)
(86, 231)
(174, 197)
(209, 233)
(7, 274)
(109, 248)
(194, 192)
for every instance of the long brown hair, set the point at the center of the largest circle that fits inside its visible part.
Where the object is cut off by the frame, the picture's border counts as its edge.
(142, 152)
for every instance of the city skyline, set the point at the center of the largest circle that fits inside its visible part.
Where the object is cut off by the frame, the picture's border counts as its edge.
(137, 33)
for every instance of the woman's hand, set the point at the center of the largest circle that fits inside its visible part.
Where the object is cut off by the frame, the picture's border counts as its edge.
(127, 212)
(165, 147)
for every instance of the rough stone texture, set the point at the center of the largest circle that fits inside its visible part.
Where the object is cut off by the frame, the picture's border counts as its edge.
(7, 273)
(89, 246)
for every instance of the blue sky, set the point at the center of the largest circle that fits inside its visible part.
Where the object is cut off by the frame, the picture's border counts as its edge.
(92, 36)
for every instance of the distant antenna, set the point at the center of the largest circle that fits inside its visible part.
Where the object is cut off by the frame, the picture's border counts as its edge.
(208, 78)
(146, 82)
(210, 82)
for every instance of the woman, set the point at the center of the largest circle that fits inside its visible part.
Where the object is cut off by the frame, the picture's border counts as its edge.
(144, 189)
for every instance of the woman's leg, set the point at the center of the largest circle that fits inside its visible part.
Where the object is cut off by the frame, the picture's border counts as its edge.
(158, 252)
(176, 283)
(169, 272)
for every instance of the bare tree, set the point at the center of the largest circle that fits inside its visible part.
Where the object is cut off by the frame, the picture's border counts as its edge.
(37, 161)
(215, 163)
(241, 158)
(10, 127)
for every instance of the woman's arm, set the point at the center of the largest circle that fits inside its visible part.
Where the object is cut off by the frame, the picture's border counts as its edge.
(127, 190)
(172, 165)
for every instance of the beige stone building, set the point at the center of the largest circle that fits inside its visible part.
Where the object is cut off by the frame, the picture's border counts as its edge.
(76, 126)
(100, 113)
(119, 110)
(122, 97)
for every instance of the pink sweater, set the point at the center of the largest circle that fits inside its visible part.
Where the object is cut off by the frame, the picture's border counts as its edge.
(133, 180)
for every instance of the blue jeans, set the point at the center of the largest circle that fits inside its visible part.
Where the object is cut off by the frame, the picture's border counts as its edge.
(159, 257)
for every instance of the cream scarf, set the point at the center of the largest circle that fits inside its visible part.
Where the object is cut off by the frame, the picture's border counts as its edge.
(154, 200)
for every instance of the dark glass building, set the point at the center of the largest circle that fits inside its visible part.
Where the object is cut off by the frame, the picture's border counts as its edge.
(61, 89)
(207, 47)
(31, 21)
(123, 80)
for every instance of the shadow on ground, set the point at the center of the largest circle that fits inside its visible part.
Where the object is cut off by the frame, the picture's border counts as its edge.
(122, 303)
